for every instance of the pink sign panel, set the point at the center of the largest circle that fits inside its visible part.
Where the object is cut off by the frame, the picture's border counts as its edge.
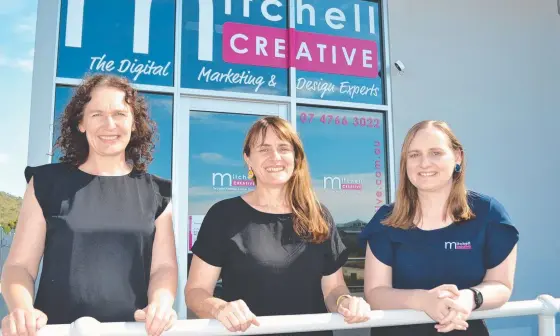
(271, 47)
(255, 45)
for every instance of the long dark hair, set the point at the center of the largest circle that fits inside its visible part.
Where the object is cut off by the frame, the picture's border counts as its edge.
(309, 220)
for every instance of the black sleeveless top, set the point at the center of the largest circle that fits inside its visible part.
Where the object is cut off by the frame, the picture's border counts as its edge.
(98, 247)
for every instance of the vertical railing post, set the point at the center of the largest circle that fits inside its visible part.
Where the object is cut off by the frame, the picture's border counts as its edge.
(85, 326)
(547, 325)
(547, 320)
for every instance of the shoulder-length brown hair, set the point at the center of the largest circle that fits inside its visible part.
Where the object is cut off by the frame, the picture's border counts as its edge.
(73, 143)
(309, 221)
(407, 206)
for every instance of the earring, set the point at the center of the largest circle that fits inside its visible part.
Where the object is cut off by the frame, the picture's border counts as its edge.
(251, 174)
(458, 168)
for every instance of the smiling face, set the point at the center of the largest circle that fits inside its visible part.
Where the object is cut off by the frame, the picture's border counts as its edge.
(271, 159)
(430, 161)
(107, 122)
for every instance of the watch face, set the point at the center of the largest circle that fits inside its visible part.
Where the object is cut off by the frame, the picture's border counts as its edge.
(478, 298)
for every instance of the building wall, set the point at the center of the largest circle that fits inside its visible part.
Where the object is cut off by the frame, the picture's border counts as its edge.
(491, 69)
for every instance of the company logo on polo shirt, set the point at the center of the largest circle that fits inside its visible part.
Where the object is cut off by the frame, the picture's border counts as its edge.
(458, 245)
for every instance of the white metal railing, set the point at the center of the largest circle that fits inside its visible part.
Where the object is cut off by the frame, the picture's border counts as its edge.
(545, 306)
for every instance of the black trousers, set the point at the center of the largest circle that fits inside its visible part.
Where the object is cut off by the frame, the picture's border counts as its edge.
(476, 328)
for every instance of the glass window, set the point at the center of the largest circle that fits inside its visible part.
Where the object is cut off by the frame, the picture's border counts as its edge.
(338, 50)
(131, 38)
(160, 108)
(62, 96)
(347, 159)
(239, 46)
(216, 167)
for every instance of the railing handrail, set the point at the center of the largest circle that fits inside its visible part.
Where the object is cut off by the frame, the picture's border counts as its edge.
(544, 305)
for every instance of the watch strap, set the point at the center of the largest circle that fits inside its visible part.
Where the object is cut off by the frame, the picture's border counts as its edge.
(478, 299)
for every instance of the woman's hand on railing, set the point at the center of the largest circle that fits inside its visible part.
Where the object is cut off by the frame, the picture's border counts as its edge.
(455, 319)
(354, 309)
(440, 301)
(158, 318)
(236, 316)
(23, 322)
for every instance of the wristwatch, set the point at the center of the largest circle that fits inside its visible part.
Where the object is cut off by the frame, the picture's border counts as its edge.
(478, 299)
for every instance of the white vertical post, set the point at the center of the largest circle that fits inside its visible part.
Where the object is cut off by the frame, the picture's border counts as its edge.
(547, 325)
(547, 321)
(43, 83)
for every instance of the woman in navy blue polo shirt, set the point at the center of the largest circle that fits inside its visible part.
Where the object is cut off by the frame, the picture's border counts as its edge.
(439, 248)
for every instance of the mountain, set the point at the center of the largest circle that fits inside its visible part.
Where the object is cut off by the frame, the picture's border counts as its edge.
(9, 210)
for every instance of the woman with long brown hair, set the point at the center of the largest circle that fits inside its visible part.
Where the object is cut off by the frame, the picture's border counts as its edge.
(277, 248)
(439, 247)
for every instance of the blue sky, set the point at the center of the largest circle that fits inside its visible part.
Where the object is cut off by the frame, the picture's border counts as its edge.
(17, 39)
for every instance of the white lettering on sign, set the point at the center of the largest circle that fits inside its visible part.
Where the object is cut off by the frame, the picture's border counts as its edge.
(75, 25)
(266, 14)
(231, 77)
(141, 44)
(232, 43)
(332, 180)
(345, 88)
(101, 63)
(334, 17)
(206, 29)
(329, 17)
(315, 86)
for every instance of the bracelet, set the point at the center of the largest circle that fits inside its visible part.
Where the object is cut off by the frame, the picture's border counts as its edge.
(340, 299)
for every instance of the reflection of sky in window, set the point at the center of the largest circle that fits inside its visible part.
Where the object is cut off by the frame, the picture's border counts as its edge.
(216, 146)
(160, 109)
(345, 152)
(331, 147)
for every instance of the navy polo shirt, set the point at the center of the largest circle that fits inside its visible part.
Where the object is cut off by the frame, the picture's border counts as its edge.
(458, 254)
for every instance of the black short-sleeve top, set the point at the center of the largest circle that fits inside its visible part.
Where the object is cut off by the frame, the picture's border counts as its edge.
(264, 262)
(98, 247)
(458, 254)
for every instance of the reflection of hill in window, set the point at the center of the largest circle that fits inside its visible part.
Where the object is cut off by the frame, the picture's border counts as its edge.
(355, 224)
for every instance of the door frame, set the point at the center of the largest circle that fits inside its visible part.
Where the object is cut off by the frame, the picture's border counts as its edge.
(180, 166)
